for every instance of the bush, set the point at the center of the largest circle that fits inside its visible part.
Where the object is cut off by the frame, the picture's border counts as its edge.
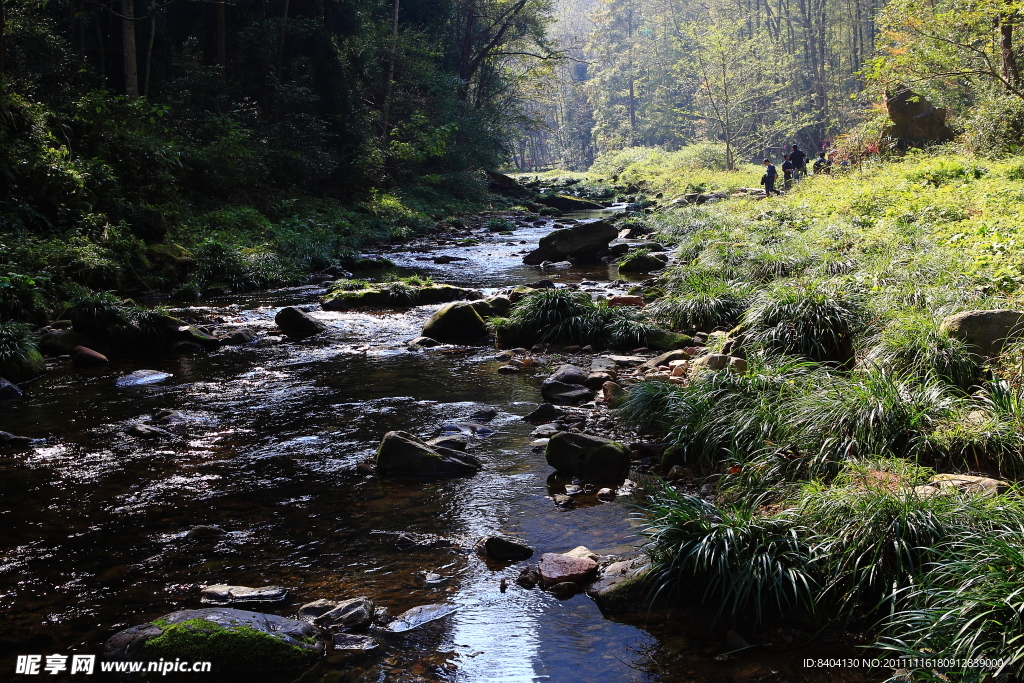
(912, 345)
(20, 359)
(101, 316)
(700, 300)
(995, 127)
(741, 557)
(817, 321)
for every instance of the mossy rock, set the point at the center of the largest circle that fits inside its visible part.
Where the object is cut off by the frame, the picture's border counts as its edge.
(231, 639)
(456, 323)
(642, 261)
(622, 586)
(665, 340)
(672, 456)
(402, 453)
(584, 455)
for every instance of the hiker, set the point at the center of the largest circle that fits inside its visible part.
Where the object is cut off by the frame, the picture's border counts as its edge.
(822, 164)
(769, 177)
(787, 173)
(799, 160)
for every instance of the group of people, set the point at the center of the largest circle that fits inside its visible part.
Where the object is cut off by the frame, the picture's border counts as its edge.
(794, 167)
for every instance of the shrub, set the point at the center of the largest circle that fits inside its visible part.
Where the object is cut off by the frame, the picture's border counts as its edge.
(742, 558)
(20, 359)
(912, 345)
(814, 320)
(500, 225)
(101, 316)
(700, 301)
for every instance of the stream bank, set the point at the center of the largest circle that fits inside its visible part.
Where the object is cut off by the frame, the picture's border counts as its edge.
(265, 454)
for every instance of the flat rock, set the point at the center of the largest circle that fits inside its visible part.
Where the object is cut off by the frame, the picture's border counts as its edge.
(502, 548)
(546, 431)
(568, 374)
(239, 337)
(627, 361)
(141, 377)
(562, 393)
(350, 642)
(602, 364)
(223, 594)
(558, 568)
(417, 616)
(457, 442)
(666, 358)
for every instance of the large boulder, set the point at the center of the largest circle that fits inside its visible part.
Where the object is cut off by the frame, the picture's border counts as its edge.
(570, 374)
(985, 332)
(566, 203)
(402, 453)
(586, 456)
(456, 323)
(499, 182)
(231, 639)
(665, 340)
(583, 243)
(556, 568)
(298, 324)
(915, 118)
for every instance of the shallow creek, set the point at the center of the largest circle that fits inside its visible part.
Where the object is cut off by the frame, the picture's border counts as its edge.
(95, 522)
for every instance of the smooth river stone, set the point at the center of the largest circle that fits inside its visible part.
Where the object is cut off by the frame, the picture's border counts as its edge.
(555, 568)
(140, 377)
(221, 594)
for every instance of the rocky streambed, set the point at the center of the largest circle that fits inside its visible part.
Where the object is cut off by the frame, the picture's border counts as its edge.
(244, 479)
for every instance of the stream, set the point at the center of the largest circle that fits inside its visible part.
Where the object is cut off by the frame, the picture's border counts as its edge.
(271, 434)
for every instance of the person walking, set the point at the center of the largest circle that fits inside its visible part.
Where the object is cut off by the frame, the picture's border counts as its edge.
(787, 173)
(799, 160)
(822, 164)
(771, 174)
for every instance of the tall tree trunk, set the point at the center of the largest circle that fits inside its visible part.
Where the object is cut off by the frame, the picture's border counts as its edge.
(222, 61)
(131, 72)
(280, 62)
(3, 29)
(149, 47)
(1010, 72)
(101, 50)
(391, 73)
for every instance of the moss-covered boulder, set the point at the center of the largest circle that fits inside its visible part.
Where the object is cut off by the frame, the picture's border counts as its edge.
(665, 340)
(456, 323)
(493, 306)
(584, 455)
(402, 453)
(642, 261)
(231, 639)
(389, 295)
(565, 203)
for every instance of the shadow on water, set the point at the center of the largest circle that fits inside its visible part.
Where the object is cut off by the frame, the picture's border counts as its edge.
(96, 522)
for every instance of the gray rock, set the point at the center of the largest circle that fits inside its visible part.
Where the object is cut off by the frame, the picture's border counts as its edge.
(417, 616)
(402, 453)
(569, 374)
(546, 431)
(666, 358)
(141, 377)
(501, 548)
(8, 390)
(298, 324)
(11, 441)
(544, 413)
(711, 362)
(205, 531)
(604, 365)
(586, 456)
(456, 442)
(298, 643)
(456, 323)
(583, 243)
(223, 594)
(239, 337)
(356, 614)
(425, 342)
(620, 587)
(350, 642)
(985, 332)
(147, 432)
(561, 393)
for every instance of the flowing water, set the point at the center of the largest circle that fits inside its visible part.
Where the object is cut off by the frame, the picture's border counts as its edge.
(95, 522)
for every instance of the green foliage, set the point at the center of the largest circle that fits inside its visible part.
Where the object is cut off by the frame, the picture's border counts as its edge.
(237, 648)
(499, 225)
(20, 359)
(913, 345)
(101, 315)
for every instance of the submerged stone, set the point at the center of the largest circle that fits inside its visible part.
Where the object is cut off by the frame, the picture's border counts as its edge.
(402, 453)
(141, 377)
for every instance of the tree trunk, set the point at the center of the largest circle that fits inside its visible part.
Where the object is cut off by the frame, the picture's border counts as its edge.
(131, 73)
(280, 62)
(101, 51)
(391, 74)
(149, 47)
(222, 63)
(3, 29)
(1010, 73)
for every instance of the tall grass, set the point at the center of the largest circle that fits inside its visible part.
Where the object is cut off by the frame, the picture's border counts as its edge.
(700, 300)
(20, 359)
(914, 346)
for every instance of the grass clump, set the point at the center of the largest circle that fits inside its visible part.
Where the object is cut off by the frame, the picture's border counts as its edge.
(569, 316)
(499, 225)
(913, 345)
(20, 359)
(699, 300)
(814, 320)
